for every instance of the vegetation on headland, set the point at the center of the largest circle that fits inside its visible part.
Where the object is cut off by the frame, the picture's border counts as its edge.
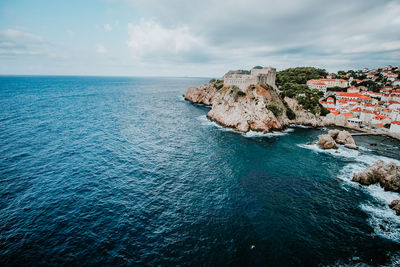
(299, 75)
(277, 111)
(372, 85)
(292, 83)
(218, 84)
(289, 112)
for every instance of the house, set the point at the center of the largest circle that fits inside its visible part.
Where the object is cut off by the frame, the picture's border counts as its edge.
(317, 85)
(323, 84)
(353, 89)
(395, 127)
(366, 116)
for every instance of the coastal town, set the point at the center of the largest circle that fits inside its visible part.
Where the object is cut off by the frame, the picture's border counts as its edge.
(366, 99)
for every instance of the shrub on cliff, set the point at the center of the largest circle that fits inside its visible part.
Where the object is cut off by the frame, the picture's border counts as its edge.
(241, 93)
(290, 114)
(275, 109)
(324, 111)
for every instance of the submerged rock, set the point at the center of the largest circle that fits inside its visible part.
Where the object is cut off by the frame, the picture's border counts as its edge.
(395, 205)
(351, 146)
(386, 174)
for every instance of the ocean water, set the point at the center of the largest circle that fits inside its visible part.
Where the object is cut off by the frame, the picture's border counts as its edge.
(123, 171)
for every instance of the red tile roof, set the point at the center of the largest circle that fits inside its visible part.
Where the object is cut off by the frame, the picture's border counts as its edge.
(345, 94)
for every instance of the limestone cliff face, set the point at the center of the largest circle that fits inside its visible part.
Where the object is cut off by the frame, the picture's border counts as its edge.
(203, 94)
(248, 111)
(304, 117)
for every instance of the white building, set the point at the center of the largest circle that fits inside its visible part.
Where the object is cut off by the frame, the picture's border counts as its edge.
(323, 84)
(318, 85)
(395, 127)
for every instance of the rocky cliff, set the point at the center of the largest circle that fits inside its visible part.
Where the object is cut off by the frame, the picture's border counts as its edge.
(303, 117)
(203, 94)
(259, 108)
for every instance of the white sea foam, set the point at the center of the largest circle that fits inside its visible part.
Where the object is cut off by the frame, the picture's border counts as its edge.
(300, 126)
(181, 98)
(261, 134)
(204, 121)
(271, 134)
(364, 149)
(340, 152)
(382, 219)
(250, 134)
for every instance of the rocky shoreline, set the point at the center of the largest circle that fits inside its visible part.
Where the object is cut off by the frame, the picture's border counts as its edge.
(258, 108)
(388, 177)
(245, 111)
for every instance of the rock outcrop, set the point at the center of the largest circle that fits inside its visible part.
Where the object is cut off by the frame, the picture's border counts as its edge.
(345, 138)
(395, 205)
(326, 141)
(334, 137)
(303, 117)
(203, 94)
(249, 110)
(386, 174)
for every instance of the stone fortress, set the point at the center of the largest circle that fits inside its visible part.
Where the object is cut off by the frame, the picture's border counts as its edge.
(258, 75)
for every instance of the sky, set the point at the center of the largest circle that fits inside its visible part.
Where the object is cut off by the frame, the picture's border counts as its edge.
(194, 38)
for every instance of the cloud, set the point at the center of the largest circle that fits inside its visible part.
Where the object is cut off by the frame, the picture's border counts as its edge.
(70, 33)
(15, 42)
(107, 27)
(149, 40)
(330, 33)
(100, 49)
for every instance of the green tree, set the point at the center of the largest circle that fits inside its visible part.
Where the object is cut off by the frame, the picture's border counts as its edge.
(275, 109)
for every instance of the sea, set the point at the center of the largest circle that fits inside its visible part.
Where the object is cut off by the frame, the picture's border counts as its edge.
(123, 171)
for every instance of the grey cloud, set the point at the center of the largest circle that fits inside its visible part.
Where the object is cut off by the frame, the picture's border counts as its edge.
(309, 28)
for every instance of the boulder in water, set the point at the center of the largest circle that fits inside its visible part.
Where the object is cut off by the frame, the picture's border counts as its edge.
(386, 174)
(395, 205)
(334, 133)
(326, 141)
(344, 138)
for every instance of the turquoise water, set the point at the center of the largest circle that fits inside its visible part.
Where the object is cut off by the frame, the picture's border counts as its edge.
(123, 171)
